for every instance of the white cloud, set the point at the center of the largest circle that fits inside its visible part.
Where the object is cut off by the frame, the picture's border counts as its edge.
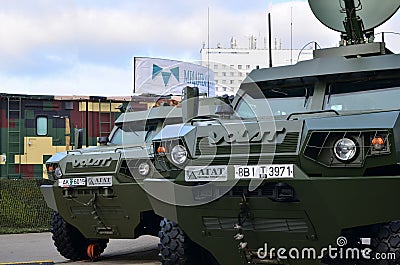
(112, 27)
(65, 32)
(99, 27)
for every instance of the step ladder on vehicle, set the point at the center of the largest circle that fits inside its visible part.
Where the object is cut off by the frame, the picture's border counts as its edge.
(14, 120)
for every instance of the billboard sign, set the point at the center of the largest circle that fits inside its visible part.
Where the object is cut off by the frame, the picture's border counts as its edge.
(164, 77)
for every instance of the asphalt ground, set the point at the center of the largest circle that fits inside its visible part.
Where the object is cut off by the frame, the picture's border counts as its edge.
(36, 247)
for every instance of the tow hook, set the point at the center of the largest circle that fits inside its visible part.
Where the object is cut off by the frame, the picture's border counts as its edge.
(93, 251)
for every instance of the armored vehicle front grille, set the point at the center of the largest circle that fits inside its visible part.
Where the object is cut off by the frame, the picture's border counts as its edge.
(257, 224)
(245, 160)
(288, 145)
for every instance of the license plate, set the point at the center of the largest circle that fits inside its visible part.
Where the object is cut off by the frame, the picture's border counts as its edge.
(204, 173)
(264, 172)
(71, 182)
(103, 181)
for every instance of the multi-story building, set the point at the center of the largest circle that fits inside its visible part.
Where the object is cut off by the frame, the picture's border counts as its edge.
(232, 65)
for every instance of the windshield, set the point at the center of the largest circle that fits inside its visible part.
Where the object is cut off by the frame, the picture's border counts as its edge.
(276, 103)
(127, 136)
(364, 95)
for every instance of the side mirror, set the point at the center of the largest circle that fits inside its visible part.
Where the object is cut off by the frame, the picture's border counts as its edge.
(78, 138)
(190, 103)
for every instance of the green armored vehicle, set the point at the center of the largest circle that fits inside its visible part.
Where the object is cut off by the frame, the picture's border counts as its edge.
(96, 195)
(303, 165)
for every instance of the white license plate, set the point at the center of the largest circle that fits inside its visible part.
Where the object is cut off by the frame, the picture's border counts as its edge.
(206, 173)
(71, 182)
(103, 181)
(264, 172)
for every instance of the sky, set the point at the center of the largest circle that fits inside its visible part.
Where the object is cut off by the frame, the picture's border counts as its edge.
(85, 47)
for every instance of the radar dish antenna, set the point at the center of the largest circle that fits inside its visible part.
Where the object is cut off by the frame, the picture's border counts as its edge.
(354, 18)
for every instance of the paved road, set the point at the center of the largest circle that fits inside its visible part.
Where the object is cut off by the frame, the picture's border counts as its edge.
(39, 246)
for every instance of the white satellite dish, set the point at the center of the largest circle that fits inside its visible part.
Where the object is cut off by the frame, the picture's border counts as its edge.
(373, 13)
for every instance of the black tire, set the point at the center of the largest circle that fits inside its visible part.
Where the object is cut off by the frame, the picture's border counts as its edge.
(177, 249)
(387, 240)
(69, 242)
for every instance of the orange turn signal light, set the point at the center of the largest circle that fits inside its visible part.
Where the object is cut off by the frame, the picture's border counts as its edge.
(51, 168)
(161, 150)
(378, 143)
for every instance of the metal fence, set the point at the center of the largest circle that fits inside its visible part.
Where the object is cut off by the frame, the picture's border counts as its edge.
(22, 206)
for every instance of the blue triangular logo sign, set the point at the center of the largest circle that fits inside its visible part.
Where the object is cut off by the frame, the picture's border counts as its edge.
(175, 72)
(156, 70)
(166, 77)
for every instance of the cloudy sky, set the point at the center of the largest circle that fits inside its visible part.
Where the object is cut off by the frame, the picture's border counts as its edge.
(85, 47)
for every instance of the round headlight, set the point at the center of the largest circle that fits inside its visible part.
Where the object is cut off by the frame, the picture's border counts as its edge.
(178, 154)
(58, 172)
(144, 169)
(345, 149)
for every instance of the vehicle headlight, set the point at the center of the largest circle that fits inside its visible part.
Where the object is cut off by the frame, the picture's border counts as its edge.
(144, 169)
(58, 172)
(345, 149)
(179, 154)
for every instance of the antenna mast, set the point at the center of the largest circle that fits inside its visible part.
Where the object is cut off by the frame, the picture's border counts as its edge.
(270, 39)
(208, 51)
(291, 35)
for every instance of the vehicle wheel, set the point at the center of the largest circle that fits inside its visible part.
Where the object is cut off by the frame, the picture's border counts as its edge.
(177, 249)
(387, 240)
(70, 243)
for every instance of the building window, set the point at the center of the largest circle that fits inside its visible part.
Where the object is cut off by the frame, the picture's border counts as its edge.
(41, 126)
(223, 73)
(232, 82)
(232, 66)
(215, 66)
(215, 74)
(223, 81)
(223, 66)
(240, 74)
(248, 66)
(232, 74)
(239, 66)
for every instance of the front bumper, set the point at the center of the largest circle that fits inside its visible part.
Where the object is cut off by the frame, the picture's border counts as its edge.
(324, 206)
(100, 212)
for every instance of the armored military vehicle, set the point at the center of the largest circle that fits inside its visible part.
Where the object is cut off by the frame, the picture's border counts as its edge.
(302, 166)
(96, 194)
